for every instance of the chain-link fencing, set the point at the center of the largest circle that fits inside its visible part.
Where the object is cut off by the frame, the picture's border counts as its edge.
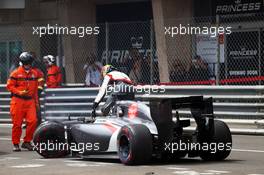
(16, 39)
(225, 50)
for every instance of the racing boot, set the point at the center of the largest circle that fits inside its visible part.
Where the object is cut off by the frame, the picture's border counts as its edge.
(27, 145)
(16, 148)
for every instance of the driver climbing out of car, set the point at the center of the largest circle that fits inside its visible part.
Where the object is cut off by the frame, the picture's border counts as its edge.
(122, 89)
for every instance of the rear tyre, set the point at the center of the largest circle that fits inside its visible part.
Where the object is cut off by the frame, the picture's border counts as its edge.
(134, 144)
(220, 144)
(49, 140)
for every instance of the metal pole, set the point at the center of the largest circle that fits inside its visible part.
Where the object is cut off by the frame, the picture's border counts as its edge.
(59, 50)
(151, 52)
(106, 42)
(225, 57)
(60, 53)
(259, 54)
(218, 54)
(8, 59)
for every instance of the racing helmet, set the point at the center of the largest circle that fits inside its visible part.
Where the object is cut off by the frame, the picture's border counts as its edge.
(26, 58)
(106, 69)
(49, 59)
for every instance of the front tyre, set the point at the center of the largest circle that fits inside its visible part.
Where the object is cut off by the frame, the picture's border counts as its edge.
(134, 144)
(49, 140)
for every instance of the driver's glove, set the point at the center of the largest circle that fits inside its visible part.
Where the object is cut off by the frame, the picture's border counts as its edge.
(94, 109)
(93, 114)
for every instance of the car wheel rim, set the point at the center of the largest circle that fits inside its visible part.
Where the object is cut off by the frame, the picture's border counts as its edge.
(124, 147)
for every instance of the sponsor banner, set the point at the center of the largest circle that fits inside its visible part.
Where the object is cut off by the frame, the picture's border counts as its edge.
(207, 48)
(123, 38)
(226, 7)
(243, 54)
(238, 10)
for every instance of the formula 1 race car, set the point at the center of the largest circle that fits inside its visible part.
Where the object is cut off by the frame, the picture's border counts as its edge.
(136, 132)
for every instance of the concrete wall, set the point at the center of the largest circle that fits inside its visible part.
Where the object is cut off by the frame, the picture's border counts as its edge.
(36, 13)
(76, 49)
(179, 48)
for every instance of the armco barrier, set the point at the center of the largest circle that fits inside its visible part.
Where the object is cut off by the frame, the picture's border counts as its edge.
(230, 102)
(5, 104)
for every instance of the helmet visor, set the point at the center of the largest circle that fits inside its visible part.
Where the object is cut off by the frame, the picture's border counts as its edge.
(27, 62)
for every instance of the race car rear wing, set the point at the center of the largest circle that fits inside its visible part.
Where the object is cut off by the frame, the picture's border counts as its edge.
(201, 110)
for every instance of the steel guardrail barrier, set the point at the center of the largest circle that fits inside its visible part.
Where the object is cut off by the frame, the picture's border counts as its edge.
(230, 102)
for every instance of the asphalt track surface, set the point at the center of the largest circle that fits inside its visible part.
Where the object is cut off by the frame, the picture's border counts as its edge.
(247, 157)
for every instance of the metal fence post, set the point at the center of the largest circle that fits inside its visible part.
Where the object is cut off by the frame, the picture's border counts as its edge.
(43, 117)
(218, 54)
(60, 50)
(225, 58)
(60, 54)
(259, 54)
(151, 52)
(106, 42)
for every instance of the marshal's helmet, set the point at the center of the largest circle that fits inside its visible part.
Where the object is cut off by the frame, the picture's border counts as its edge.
(49, 59)
(26, 58)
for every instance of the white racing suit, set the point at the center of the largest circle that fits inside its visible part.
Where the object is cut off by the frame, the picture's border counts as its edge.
(122, 89)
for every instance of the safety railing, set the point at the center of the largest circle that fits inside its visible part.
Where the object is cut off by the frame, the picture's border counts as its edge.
(5, 104)
(230, 102)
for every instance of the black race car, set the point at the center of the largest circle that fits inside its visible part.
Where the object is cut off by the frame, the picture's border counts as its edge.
(136, 132)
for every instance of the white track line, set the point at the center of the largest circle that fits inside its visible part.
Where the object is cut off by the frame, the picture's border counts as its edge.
(71, 161)
(5, 139)
(186, 172)
(9, 158)
(81, 165)
(28, 166)
(217, 171)
(44, 160)
(248, 150)
(6, 125)
(106, 163)
(177, 168)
